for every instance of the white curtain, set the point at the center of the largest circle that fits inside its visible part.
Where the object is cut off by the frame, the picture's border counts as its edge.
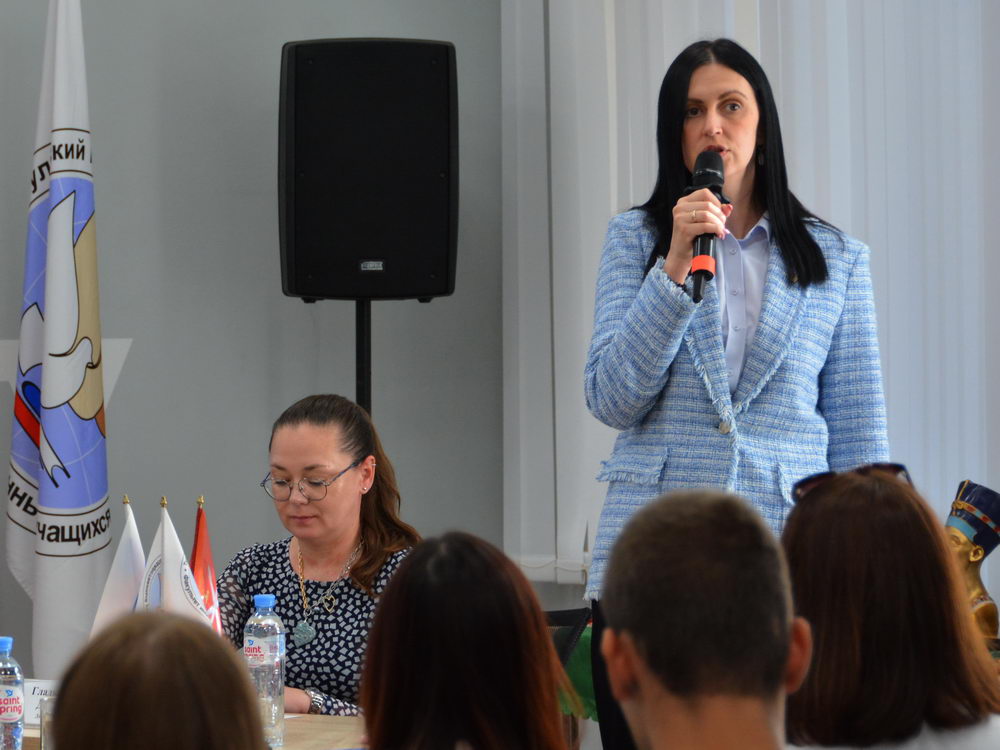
(884, 106)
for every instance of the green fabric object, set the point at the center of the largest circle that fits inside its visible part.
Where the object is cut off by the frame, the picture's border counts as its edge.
(581, 677)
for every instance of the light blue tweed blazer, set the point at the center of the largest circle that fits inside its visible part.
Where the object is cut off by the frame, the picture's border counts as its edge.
(809, 398)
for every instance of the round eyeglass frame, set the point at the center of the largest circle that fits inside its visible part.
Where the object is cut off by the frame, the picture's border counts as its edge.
(267, 483)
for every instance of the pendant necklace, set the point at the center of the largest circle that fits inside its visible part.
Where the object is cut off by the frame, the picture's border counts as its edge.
(305, 631)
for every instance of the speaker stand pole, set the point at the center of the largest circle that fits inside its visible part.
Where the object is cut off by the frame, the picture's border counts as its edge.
(363, 352)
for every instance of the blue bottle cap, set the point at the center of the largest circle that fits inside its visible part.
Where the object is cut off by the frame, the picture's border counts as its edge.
(6, 643)
(263, 600)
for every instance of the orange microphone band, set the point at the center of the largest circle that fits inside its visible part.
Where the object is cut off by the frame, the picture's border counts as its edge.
(703, 263)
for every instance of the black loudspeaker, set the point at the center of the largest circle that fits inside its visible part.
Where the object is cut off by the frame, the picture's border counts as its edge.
(368, 169)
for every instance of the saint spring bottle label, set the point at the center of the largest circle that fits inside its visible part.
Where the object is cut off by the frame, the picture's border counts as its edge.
(263, 650)
(11, 703)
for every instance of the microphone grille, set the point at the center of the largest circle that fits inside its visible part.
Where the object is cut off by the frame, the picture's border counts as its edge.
(708, 169)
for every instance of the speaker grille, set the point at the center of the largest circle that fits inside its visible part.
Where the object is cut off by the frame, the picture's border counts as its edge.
(369, 172)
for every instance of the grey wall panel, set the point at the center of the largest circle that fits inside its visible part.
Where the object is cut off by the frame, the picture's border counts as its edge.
(183, 105)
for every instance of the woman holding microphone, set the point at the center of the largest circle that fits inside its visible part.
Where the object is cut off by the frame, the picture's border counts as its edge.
(775, 374)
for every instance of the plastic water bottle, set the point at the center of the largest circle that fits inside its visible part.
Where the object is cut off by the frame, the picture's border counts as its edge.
(264, 649)
(11, 698)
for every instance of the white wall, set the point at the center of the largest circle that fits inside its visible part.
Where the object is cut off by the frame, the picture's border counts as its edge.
(183, 102)
(991, 272)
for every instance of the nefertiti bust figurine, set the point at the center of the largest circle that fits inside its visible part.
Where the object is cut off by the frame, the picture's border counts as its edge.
(973, 528)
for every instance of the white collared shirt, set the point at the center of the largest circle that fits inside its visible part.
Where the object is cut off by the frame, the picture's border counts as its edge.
(740, 272)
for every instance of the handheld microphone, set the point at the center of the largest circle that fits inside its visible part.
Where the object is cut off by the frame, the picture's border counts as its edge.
(708, 173)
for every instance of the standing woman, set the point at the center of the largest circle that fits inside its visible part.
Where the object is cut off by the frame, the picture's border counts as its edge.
(335, 491)
(775, 374)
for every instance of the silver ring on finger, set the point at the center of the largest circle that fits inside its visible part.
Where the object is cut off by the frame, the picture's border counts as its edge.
(694, 216)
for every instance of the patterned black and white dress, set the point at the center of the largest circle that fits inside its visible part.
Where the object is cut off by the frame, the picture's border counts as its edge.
(331, 662)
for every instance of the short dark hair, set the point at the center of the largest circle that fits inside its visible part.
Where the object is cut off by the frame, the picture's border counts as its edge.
(699, 582)
(895, 643)
(460, 650)
(803, 257)
(382, 530)
(157, 681)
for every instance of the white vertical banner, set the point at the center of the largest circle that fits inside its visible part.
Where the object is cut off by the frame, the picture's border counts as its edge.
(121, 590)
(58, 535)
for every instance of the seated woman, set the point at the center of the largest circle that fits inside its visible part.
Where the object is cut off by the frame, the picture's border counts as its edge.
(460, 655)
(897, 657)
(159, 682)
(335, 492)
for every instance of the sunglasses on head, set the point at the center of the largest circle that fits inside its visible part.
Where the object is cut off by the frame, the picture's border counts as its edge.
(804, 486)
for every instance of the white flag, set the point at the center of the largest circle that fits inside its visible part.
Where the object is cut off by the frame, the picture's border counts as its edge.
(121, 590)
(168, 583)
(58, 535)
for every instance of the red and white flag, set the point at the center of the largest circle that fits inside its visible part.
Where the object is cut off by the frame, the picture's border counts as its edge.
(204, 569)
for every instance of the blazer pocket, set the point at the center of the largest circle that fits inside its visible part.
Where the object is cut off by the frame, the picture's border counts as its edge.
(642, 468)
(787, 477)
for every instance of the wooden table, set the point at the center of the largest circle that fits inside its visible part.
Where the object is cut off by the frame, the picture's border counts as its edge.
(302, 732)
(312, 732)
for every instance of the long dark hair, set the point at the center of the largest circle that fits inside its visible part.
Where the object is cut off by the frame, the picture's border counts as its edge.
(803, 257)
(895, 643)
(382, 530)
(460, 650)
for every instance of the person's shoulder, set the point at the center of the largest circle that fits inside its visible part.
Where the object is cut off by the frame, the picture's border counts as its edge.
(630, 237)
(991, 727)
(835, 243)
(633, 221)
(392, 561)
(983, 734)
(261, 554)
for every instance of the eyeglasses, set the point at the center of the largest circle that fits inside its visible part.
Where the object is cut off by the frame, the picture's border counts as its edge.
(804, 486)
(311, 488)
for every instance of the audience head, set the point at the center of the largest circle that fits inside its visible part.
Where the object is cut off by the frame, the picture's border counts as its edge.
(895, 643)
(697, 606)
(460, 651)
(326, 424)
(159, 682)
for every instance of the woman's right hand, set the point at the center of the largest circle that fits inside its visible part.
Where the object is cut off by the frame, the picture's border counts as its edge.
(698, 213)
